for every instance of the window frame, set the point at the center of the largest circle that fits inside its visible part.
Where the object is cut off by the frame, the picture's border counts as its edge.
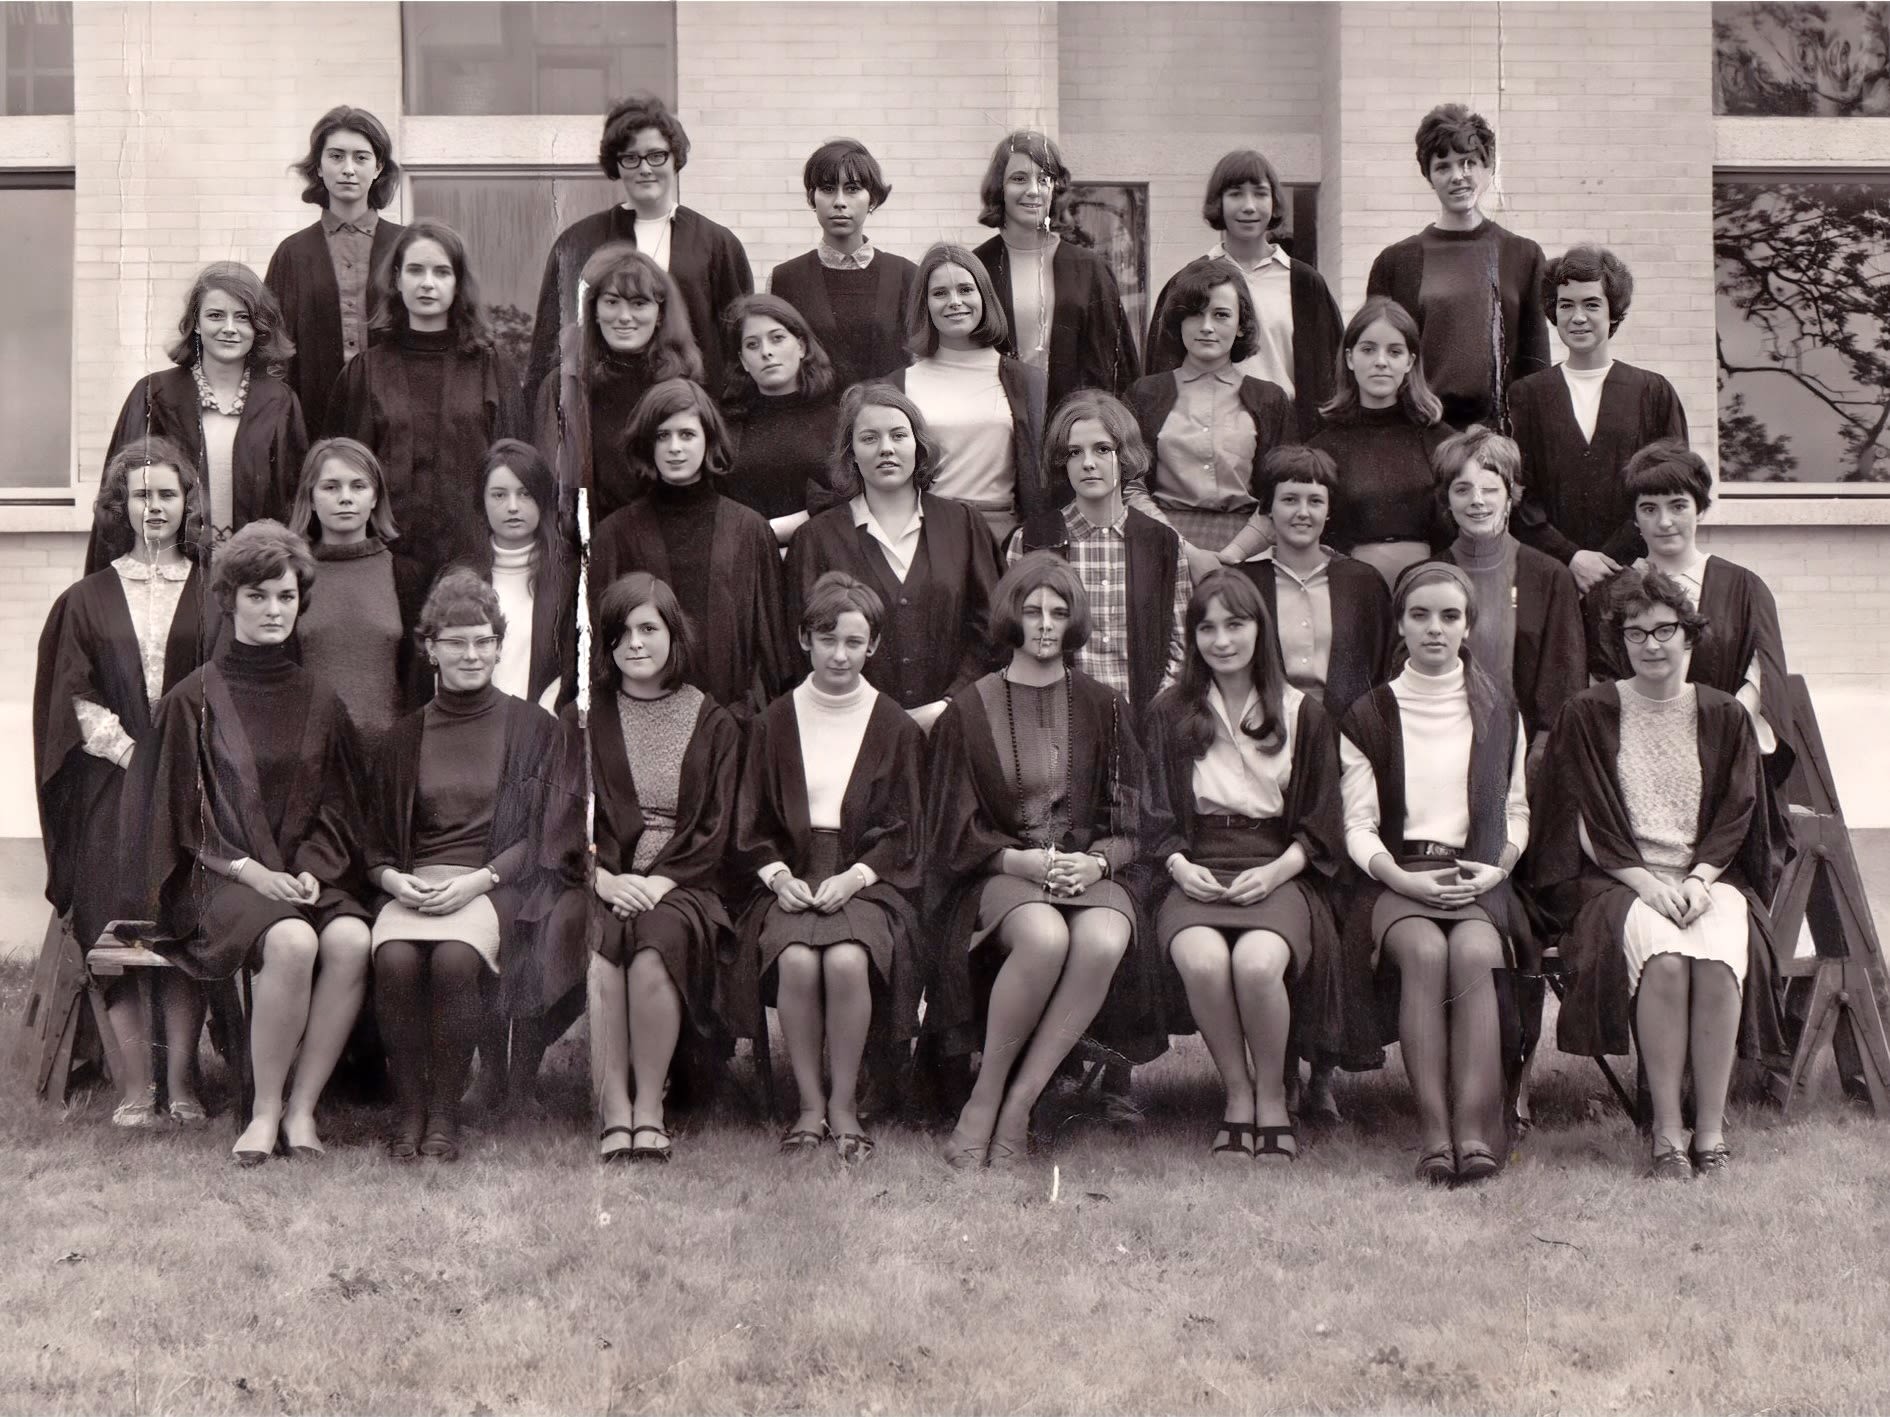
(36, 153)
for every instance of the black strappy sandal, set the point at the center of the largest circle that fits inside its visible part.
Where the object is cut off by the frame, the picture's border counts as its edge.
(639, 1151)
(1267, 1142)
(854, 1147)
(1242, 1137)
(621, 1153)
(800, 1141)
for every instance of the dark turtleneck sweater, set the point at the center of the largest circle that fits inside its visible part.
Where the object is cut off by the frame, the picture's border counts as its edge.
(616, 385)
(687, 518)
(462, 754)
(428, 355)
(1386, 488)
(351, 633)
(781, 446)
(270, 692)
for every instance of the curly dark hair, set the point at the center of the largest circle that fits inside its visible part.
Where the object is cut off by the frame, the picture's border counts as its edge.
(460, 596)
(1586, 263)
(1453, 128)
(262, 551)
(626, 118)
(269, 355)
(1189, 293)
(111, 522)
(355, 120)
(1634, 591)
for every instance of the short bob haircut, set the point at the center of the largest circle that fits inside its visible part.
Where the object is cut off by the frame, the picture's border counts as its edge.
(839, 161)
(623, 597)
(465, 317)
(833, 595)
(260, 552)
(1479, 444)
(618, 268)
(272, 350)
(921, 333)
(1420, 405)
(111, 517)
(1633, 591)
(1666, 467)
(1236, 169)
(1132, 459)
(1041, 150)
(665, 401)
(816, 377)
(357, 457)
(1453, 128)
(627, 117)
(1038, 570)
(1189, 295)
(1297, 463)
(459, 597)
(354, 120)
(1586, 263)
(844, 472)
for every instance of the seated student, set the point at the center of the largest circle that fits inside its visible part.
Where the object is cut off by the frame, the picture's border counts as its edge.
(1130, 564)
(830, 818)
(930, 560)
(781, 406)
(1578, 423)
(1332, 613)
(114, 644)
(1297, 341)
(248, 812)
(1470, 284)
(1744, 655)
(1034, 789)
(852, 294)
(1062, 311)
(1381, 429)
(1653, 814)
(664, 758)
(1207, 425)
(1435, 816)
(719, 556)
(984, 408)
(530, 558)
(632, 333)
(1243, 816)
(1528, 632)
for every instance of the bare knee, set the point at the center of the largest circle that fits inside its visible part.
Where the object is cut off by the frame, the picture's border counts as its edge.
(1100, 937)
(845, 966)
(647, 973)
(799, 967)
(345, 944)
(1036, 934)
(290, 947)
(1260, 958)
(1200, 956)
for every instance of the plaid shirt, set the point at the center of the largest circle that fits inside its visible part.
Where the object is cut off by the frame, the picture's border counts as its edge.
(1100, 557)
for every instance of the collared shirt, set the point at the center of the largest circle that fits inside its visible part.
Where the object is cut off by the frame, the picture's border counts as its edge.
(152, 594)
(1303, 619)
(834, 259)
(1236, 775)
(1270, 283)
(901, 549)
(351, 248)
(1204, 450)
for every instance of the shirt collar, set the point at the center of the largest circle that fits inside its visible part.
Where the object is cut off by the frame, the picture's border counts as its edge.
(863, 516)
(332, 223)
(132, 569)
(1278, 258)
(1314, 577)
(1230, 376)
(835, 259)
(1081, 528)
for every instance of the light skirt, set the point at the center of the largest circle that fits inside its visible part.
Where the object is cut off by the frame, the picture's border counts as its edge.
(1720, 934)
(477, 923)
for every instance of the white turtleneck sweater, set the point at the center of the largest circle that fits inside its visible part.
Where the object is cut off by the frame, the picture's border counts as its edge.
(965, 408)
(832, 727)
(512, 579)
(1434, 714)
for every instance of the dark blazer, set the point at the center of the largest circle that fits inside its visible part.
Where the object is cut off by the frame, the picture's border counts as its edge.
(1090, 343)
(301, 276)
(1151, 400)
(1362, 633)
(864, 352)
(1549, 663)
(1024, 390)
(1317, 334)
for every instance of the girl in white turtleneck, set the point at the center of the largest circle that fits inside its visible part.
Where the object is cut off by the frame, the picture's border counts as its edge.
(1436, 816)
(530, 563)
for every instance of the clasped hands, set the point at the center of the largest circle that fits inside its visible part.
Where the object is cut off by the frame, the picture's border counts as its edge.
(795, 895)
(1062, 874)
(300, 888)
(628, 894)
(441, 899)
(1448, 887)
(1252, 885)
(1682, 904)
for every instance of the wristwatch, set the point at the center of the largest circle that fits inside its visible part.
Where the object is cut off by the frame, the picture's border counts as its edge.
(236, 866)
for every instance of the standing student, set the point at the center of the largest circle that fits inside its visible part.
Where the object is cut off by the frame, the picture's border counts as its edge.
(323, 276)
(645, 147)
(1130, 564)
(1207, 424)
(1062, 311)
(632, 333)
(781, 402)
(1296, 343)
(223, 402)
(430, 393)
(1578, 423)
(1381, 429)
(113, 645)
(530, 558)
(931, 561)
(852, 294)
(1471, 285)
(831, 822)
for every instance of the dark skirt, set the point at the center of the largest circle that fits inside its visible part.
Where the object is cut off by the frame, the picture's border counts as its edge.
(860, 921)
(1227, 849)
(234, 919)
(681, 932)
(1003, 894)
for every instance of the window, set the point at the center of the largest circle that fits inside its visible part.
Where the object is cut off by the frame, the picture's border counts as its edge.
(37, 43)
(517, 58)
(1802, 274)
(1111, 218)
(1801, 61)
(36, 331)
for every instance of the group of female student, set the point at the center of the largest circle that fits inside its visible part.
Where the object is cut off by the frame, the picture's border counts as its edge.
(960, 684)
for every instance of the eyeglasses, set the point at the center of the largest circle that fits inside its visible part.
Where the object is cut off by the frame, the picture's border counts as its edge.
(1635, 635)
(655, 158)
(455, 644)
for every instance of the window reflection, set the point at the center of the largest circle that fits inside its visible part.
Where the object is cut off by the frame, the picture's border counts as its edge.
(36, 40)
(36, 333)
(515, 58)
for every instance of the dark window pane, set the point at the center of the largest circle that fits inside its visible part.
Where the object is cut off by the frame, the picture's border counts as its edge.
(36, 46)
(1802, 271)
(1824, 61)
(36, 335)
(1111, 218)
(509, 221)
(535, 58)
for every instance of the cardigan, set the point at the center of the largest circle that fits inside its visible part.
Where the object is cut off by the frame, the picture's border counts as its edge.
(1548, 665)
(301, 276)
(1362, 631)
(1151, 400)
(1090, 343)
(860, 352)
(1025, 390)
(1318, 333)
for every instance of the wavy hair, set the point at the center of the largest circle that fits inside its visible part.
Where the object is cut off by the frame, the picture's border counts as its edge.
(1190, 293)
(272, 349)
(1132, 456)
(355, 120)
(464, 317)
(111, 519)
(262, 551)
(741, 394)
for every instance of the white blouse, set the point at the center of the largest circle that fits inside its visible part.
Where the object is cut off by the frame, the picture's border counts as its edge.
(1238, 776)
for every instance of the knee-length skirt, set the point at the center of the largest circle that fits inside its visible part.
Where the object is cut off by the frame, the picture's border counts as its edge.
(1722, 934)
(680, 932)
(860, 921)
(1227, 848)
(235, 918)
(476, 923)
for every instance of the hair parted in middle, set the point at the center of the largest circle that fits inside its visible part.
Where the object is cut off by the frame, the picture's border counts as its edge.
(465, 317)
(663, 402)
(1240, 597)
(535, 475)
(1132, 456)
(844, 471)
(1420, 405)
(741, 392)
(1487, 448)
(1193, 287)
(1038, 570)
(622, 598)
(921, 333)
(618, 268)
(358, 457)
(269, 355)
(1043, 151)
(1580, 264)
(261, 551)
(343, 118)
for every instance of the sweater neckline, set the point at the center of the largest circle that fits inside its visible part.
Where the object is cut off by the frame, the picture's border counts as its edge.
(258, 664)
(693, 494)
(1482, 553)
(352, 551)
(966, 358)
(467, 703)
(427, 341)
(1433, 686)
(517, 560)
(836, 703)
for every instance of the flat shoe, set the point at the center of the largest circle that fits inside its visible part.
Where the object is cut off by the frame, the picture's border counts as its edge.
(140, 1114)
(1476, 1162)
(188, 1112)
(1671, 1164)
(609, 1154)
(800, 1141)
(1267, 1142)
(249, 1159)
(853, 1147)
(1712, 1162)
(1002, 1156)
(403, 1148)
(1438, 1166)
(963, 1158)
(440, 1146)
(640, 1151)
(1241, 1139)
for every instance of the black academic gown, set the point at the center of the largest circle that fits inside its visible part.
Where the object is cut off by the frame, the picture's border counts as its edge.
(1090, 343)
(301, 276)
(859, 352)
(88, 649)
(1736, 831)
(1547, 662)
(1362, 639)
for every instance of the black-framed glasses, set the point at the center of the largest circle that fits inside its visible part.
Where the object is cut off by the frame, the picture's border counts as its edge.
(1635, 635)
(655, 158)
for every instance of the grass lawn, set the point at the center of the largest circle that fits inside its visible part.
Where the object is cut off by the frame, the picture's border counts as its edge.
(149, 1275)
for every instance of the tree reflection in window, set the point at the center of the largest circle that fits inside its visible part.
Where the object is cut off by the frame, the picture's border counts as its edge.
(1797, 61)
(1802, 273)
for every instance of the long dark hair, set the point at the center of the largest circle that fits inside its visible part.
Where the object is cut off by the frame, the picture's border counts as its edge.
(1238, 596)
(464, 318)
(618, 268)
(1415, 399)
(740, 394)
(528, 465)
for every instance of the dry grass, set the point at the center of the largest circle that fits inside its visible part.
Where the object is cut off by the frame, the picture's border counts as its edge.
(149, 1275)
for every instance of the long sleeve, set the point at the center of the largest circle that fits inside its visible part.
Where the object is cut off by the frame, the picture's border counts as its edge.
(1531, 524)
(1532, 335)
(105, 735)
(1516, 804)
(1177, 623)
(1358, 792)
